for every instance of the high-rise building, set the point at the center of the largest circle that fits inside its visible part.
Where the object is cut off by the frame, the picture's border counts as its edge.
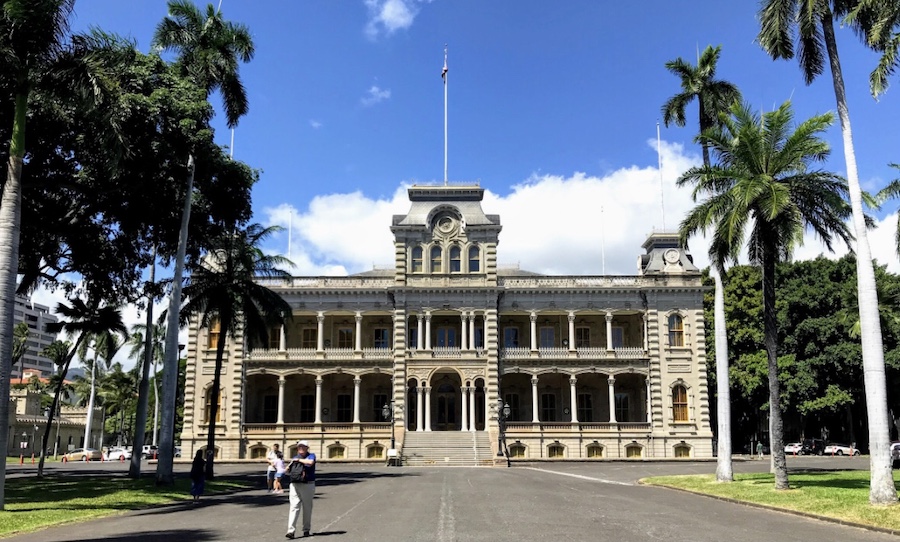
(37, 317)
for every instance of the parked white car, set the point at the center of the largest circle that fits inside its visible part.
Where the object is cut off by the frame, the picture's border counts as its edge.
(840, 449)
(117, 454)
(793, 448)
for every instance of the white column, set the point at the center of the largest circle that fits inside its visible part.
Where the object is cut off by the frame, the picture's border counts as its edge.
(534, 401)
(464, 416)
(358, 331)
(472, 410)
(646, 333)
(571, 330)
(282, 340)
(472, 330)
(649, 411)
(609, 319)
(485, 346)
(464, 328)
(320, 331)
(318, 401)
(612, 399)
(487, 408)
(420, 395)
(356, 383)
(574, 399)
(420, 332)
(428, 331)
(281, 383)
(427, 408)
(534, 344)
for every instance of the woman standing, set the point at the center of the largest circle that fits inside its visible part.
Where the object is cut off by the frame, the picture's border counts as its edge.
(198, 468)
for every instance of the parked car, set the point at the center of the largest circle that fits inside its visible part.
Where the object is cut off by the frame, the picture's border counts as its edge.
(813, 446)
(83, 454)
(116, 454)
(793, 448)
(178, 451)
(895, 455)
(840, 449)
(149, 451)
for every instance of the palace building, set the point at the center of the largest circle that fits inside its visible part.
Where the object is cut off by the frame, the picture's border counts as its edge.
(446, 354)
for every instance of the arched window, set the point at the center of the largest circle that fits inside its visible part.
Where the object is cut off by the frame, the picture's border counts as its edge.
(213, 336)
(336, 451)
(595, 451)
(556, 451)
(676, 330)
(517, 451)
(417, 260)
(375, 452)
(679, 403)
(634, 451)
(436, 260)
(682, 451)
(455, 259)
(474, 260)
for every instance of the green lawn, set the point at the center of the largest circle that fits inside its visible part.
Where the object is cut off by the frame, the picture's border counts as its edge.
(28, 500)
(842, 495)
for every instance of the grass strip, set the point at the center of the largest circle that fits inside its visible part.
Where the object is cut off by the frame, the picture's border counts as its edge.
(33, 504)
(840, 495)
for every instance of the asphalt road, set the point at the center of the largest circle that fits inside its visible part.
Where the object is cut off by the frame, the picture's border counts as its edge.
(558, 501)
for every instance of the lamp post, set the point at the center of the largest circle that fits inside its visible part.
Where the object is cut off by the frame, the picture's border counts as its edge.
(387, 411)
(503, 411)
(34, 440)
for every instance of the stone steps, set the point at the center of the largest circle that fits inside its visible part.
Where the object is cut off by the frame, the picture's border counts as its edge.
(447, 448)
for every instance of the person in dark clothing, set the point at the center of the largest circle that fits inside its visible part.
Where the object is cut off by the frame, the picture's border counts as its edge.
(198, 476)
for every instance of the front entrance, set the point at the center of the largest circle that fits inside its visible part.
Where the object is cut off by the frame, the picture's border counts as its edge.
(445, 402)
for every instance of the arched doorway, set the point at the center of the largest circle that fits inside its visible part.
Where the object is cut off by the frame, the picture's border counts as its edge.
(446, 401)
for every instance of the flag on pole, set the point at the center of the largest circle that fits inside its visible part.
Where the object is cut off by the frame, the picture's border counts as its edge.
(444, 71)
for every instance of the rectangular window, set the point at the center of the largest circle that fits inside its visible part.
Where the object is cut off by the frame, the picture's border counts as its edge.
(676, 331)
(679, 404)
(213, 335)
(585, 408)
(479, 337)
(582, 337)
(270, 409)
(345, 337)
(378, 402)
(274, 338)
(446, 336)
(412, 337)
(512, 399)
(382, 336)
(455, 260)
(510, 337)
(344, 408)
(308, 337)
(618, 337)
(622, 407)
(307, 408)
(206, 414)
(548, 407)
(547, 338)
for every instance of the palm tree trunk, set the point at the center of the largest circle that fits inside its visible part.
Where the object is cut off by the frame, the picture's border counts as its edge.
(164, 471)
(55, 406)
(724, 470)
(770, 331)
(881, 484)
(10, 227)
(134, 469)
(224, 325)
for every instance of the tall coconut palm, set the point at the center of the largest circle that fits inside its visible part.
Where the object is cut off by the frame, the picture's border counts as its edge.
(209, 49)
(58, 353)
(713, 97)
(879, 21)
(224, 289)
(763, 181)
(146, 348)
(812, 22)
(84, 319)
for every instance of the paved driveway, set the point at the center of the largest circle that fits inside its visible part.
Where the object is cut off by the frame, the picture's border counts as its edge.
(565, 501)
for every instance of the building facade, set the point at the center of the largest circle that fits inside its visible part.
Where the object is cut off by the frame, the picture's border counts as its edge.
(587, 367)
(37, 317)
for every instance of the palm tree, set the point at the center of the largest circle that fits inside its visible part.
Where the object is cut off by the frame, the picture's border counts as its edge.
(879, 21)
(813, 23)
(209, 49)
(714, 97)
(119, 390)
(763, 182)
(20, 346)
(223, 289)
(58, 353)
(146, 348)
(891, 191)
(84, 319)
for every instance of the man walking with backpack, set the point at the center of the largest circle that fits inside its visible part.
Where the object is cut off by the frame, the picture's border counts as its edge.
(302, 472)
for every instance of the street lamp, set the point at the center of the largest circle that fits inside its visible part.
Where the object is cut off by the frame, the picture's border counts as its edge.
(503, 412)
(387, 411)
(33, 439)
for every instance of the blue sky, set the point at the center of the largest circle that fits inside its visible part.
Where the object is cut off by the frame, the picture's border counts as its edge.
(552, 108)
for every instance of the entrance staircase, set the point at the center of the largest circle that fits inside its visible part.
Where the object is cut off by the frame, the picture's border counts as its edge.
(447, 449)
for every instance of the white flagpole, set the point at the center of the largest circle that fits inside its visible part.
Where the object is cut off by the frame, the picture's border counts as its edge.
(662, 204)
(444, 76)
(231, 148)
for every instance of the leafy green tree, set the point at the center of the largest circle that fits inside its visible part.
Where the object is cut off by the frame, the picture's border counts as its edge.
(83, 319)
(119, 390)
(209, 50)
(812, 23)
(20, 346)
(763, 181)
(225, 288)
(714, 97)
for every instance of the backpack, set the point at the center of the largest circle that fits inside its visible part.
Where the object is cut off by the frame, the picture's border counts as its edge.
(296, 473)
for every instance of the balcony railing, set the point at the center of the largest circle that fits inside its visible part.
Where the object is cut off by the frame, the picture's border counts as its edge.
(591, 352)
(584, 427)
(268, 354)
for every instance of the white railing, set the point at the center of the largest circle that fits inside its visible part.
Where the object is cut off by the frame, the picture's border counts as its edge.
(327, 282)
(570, 282)
(515, 352)
(339, 353)
(301, 353)
(553, 352)
(447, 352)
(377, 353)
(630, 352)
(591, 352)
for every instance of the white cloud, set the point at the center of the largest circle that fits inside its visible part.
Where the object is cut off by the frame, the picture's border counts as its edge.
(554, 224)
(375, 95)
(315, 124)
(388, 16)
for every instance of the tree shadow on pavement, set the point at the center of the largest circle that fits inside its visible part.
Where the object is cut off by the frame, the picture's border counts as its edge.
(174, 535)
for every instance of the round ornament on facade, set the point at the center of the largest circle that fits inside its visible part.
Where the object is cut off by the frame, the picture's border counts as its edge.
(672, 255)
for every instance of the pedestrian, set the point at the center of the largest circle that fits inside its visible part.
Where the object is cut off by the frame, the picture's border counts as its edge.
(279, 473)
(759, 449)
(198, 476)
(270, 469)
(303, 488)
